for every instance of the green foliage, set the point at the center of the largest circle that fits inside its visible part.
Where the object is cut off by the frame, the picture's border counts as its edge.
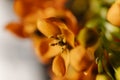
(88, 37)
(96, 27)
(102, 77)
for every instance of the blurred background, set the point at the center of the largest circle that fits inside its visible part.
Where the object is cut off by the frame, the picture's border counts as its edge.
(17, 58)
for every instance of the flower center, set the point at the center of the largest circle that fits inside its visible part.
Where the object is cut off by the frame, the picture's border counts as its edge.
(59, 40)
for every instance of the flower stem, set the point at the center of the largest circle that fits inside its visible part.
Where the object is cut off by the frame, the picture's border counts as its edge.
(100, 67)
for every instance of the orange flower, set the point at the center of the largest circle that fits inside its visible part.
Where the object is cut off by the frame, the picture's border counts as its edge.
(51, 38)
(52, 28)
(27, 25)
(58, 38)
(56, 41)
(25, 7)
(64, 15)
(34, 26)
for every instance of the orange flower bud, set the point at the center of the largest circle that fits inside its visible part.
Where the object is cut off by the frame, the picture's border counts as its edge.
(113, 15)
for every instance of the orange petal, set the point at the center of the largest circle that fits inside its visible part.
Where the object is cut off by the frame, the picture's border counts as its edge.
(36, 44)
(19, 8)
(52, 51)
(113, 14)
(47, 29)
(117, 1)
(60, 4)
(80, 59)
(58, 66)
(71, 22)
(43, 48)
(69, 36)
(76, 56)
(65, 55)
(33, 17)
(17, 29)
(51, 12)
(29, 28)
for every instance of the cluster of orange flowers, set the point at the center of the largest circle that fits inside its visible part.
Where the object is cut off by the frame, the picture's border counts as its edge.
(53, 30)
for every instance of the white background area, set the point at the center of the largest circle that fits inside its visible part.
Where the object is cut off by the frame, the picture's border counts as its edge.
(17, 58)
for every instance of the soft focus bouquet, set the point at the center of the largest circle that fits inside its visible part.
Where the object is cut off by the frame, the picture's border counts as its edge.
(76, 39)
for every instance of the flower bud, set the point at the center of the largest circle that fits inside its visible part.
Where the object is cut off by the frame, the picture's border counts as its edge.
(102, 77)
(113, 15)
(117, 73)
(88, 37)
